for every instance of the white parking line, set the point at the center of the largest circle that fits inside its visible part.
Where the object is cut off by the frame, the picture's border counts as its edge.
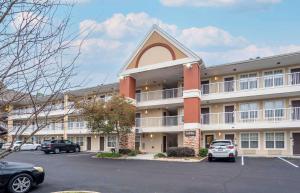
(242, 161)
(288, 162)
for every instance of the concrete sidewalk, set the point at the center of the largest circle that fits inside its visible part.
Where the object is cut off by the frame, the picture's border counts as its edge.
(150, 156)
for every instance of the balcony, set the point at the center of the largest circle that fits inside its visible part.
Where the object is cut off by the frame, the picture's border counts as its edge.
(280, 85)
(160, 124)
(255, 119)
(158, 98)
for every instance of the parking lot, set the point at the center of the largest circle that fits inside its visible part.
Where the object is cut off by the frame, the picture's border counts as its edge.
(80, 171)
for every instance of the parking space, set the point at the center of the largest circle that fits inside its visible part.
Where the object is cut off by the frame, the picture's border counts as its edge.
(80, 171)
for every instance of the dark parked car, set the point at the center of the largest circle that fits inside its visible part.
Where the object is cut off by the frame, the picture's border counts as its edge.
(19, 177)
(57, 146)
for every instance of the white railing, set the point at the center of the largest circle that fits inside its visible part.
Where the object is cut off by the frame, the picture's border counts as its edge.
(159, 94)
(165, 121)
(253, 83)
(253, 116)
(28, 110)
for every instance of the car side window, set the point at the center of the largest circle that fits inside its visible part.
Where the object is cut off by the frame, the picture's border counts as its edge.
(68, 142)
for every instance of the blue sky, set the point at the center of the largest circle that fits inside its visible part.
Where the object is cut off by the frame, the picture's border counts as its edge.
(219, 31)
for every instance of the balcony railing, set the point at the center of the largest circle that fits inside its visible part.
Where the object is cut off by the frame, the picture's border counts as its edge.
(166, 121)
(253, 83)
(253, 116)
(159, 94)
(24, 111)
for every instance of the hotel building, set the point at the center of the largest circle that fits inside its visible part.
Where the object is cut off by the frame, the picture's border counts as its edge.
(181, 101)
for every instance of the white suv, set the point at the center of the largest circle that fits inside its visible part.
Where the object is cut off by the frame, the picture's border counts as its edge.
(222, 149)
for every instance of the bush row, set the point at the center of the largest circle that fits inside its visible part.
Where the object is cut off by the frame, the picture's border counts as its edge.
(128, 152)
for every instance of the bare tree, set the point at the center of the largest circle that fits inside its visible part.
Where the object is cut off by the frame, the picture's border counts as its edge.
(37, 56)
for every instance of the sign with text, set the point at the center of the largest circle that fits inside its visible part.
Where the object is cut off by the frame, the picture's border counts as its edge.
(190, 133)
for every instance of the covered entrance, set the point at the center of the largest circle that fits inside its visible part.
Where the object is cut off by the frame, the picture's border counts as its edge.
(208, 140)
(169, 140)
(296, 147)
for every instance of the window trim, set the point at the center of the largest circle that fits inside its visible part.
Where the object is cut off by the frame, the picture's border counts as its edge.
(107, 141)
(263, 75)
(249, 148)
(257, 80)
(284, 138)
(273, 100)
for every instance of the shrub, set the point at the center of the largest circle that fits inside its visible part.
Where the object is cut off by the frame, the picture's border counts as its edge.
(132, 153)
(203, 152)
(107, 155)
(159, 155)
(180, 152)
(124, 151)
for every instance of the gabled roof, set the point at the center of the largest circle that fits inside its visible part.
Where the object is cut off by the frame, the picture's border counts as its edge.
(169, 38)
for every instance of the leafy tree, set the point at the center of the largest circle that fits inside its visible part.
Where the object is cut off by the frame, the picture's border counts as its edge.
(115, 116)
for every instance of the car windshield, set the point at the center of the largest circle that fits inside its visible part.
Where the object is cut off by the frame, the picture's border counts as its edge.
(220, 143)
(46, 142)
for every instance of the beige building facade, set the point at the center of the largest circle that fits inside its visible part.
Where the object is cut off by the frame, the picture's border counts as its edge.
(181, 101)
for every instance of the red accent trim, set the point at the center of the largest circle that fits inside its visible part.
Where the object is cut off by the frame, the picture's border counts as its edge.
(127, 87)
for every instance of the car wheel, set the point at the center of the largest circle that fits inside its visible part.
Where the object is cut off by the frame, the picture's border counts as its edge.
(38, 148)
(17, 148)
(210, 159)
(20, 183)
(56, 150)
(233, 159)
(77, 149)
(46, 152)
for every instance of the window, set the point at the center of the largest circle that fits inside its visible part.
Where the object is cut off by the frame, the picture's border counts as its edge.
(71, 139)
(249, 140)
(79, 140)
(274, 110)
(273, 78)
(248, 81)
(111, 141)
(248, 111)
(274, 140)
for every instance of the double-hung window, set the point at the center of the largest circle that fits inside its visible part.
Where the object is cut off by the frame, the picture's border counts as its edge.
(273, 78)
(274, 110)
(79, 141)
(111, 141)
(248, 81)
(248, 112)
(249, 140)
(274, 140)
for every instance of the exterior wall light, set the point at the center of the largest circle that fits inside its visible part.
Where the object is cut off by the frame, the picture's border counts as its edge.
(216, 78)
(151, 135)
(146, 88)
(146, 112)
(188, 65)
(219, 134)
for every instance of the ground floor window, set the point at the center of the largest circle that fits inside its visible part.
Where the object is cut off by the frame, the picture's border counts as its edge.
(79, 140)
(111, 141)
(274, 140)
(249, 140)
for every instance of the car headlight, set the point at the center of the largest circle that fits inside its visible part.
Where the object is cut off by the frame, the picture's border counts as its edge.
(39, 169)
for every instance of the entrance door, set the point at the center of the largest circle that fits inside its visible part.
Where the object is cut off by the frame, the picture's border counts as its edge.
(295, 76)
(229, 137)
(172, 140)
(164, 144)
(138, 95)
(229, 111)
(229, 84)
(101, 143)
(88, 143)
(208, 140)
(138, 120)
(205, 86)
(296, 147)
(296, 110)
(205, 116)
(137, 141)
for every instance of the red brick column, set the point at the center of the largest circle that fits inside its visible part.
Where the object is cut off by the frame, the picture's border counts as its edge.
(127, 89)
(192, 106)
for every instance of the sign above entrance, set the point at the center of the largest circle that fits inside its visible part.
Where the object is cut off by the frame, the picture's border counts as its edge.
(190, 133)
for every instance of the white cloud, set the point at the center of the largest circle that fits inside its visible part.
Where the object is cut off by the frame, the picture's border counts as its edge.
(210, 36)
(111, 41)
(217, 3)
